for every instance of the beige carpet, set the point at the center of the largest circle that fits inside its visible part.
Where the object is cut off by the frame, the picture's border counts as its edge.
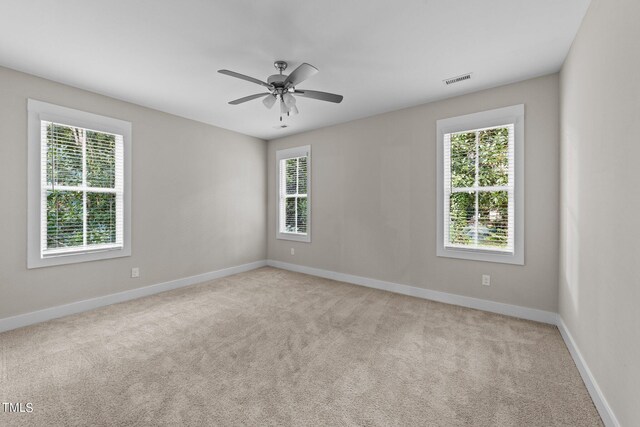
(271, 347)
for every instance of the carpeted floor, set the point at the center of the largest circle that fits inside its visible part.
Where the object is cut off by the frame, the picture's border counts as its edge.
(272, 347)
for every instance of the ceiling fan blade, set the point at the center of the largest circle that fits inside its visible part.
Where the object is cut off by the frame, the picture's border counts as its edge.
(243, 77)
(322, 96)
(247, 98)
(300, 74)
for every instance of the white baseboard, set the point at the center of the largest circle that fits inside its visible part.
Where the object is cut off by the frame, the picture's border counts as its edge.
(477, 303)
(26, 319)
(608, 417)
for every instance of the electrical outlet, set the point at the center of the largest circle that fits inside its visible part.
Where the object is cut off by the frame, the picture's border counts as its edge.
(486, 280)
(135, 272)
(293, 251)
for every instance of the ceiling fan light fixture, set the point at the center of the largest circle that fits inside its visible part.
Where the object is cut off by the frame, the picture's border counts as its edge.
(294, 109)
(289, 100)
(283, 108)
(269, 100)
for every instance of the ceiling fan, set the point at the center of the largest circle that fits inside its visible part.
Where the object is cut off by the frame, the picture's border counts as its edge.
(282, 87)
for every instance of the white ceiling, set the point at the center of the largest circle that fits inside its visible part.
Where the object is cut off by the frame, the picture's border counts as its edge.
(381, 55)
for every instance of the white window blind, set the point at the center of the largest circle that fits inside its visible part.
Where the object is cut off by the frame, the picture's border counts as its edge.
(293, 193)
(479, 189)
(82, 189)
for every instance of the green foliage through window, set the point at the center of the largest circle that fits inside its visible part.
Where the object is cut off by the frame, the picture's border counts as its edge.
(64, 219)
(81, 195)
(480, 188)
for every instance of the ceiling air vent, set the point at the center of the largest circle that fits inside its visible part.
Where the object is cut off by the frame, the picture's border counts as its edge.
(457, 79)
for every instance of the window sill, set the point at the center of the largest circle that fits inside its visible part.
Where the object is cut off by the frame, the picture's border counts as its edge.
(82, 251)
(481, 255)
(305, 238)
(62, 258)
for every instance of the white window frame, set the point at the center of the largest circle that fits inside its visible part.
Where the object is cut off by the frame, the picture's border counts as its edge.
(486, 119)
(290, 153)
(39, 111)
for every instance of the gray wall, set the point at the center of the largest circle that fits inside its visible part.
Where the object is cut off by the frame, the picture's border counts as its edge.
(374, 199)
(198, 200)
(600, 200)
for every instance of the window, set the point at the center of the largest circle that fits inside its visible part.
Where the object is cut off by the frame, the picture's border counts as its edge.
(294, 202)
(480, 186)
(79, 188)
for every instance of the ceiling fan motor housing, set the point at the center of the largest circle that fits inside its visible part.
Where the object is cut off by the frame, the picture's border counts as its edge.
(277, 79)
